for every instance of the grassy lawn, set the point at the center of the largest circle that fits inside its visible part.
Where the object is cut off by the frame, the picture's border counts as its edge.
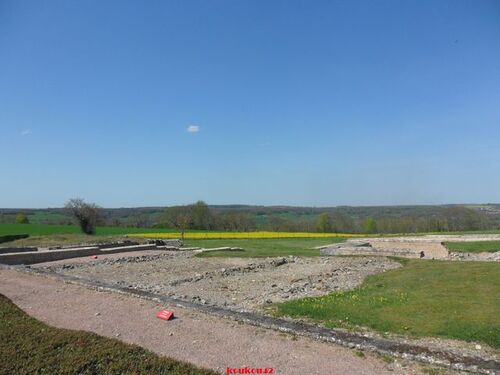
(28, 346)
(459, 300)
(37, 229)
(264, 247)
(47, 229)
(40, 217)
(474, 247)
(62, 240)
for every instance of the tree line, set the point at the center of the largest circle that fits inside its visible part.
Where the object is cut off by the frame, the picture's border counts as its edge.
(447, 219)
(200, 216)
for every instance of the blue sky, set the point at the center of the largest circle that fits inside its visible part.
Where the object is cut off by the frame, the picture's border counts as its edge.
(318, 103)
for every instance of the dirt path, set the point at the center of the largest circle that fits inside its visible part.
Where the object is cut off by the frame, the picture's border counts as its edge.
(194, 337)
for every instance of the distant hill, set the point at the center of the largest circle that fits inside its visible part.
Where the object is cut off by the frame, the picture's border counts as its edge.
(275, 217)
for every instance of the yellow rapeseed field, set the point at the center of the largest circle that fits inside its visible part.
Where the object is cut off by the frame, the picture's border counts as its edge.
(238, 235)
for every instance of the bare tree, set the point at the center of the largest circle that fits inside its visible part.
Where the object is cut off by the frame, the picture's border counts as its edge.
(86, 215)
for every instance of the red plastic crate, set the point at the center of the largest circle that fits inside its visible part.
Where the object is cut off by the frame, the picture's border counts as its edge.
(165, 314)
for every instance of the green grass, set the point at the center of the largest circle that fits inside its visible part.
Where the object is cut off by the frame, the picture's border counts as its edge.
(459, 300)
(41, 217)
(474, 247)
(28, 346)
(46, 229)
(49, 235)
(62, 240)
(36, 229)
(272, 247)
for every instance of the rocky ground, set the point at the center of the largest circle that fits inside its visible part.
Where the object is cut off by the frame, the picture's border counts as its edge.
(236, 283)
(492, 257)
(245, 284)
(428, 247)
(194, 337)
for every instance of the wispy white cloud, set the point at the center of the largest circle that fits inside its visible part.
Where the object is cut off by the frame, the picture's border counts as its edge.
(25, 132)
(193, 129)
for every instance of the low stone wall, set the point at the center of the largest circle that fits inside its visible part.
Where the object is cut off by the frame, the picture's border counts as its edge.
(33, 257)
(431, 249)
(166, 243)
(46, 256)
(389, 247)
(6, 250)
(368, 252)
(103, 245)
(203, 250)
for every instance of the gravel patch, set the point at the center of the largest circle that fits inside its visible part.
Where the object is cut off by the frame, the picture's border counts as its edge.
(237, 283)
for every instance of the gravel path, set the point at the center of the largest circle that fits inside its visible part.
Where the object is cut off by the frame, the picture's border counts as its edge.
(194, 337)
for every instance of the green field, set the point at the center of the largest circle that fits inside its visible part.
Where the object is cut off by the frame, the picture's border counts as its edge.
(474, 247)
(264, 247)
(52, 235)
(459, 300)
(28, 346)
(62, 240)
(46, 229)
(46, 217)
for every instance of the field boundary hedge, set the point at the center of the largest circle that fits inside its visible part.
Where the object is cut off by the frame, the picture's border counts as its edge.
(12, 237)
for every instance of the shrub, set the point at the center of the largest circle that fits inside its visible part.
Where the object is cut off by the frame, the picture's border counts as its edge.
(12, 237)
(21, 218)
